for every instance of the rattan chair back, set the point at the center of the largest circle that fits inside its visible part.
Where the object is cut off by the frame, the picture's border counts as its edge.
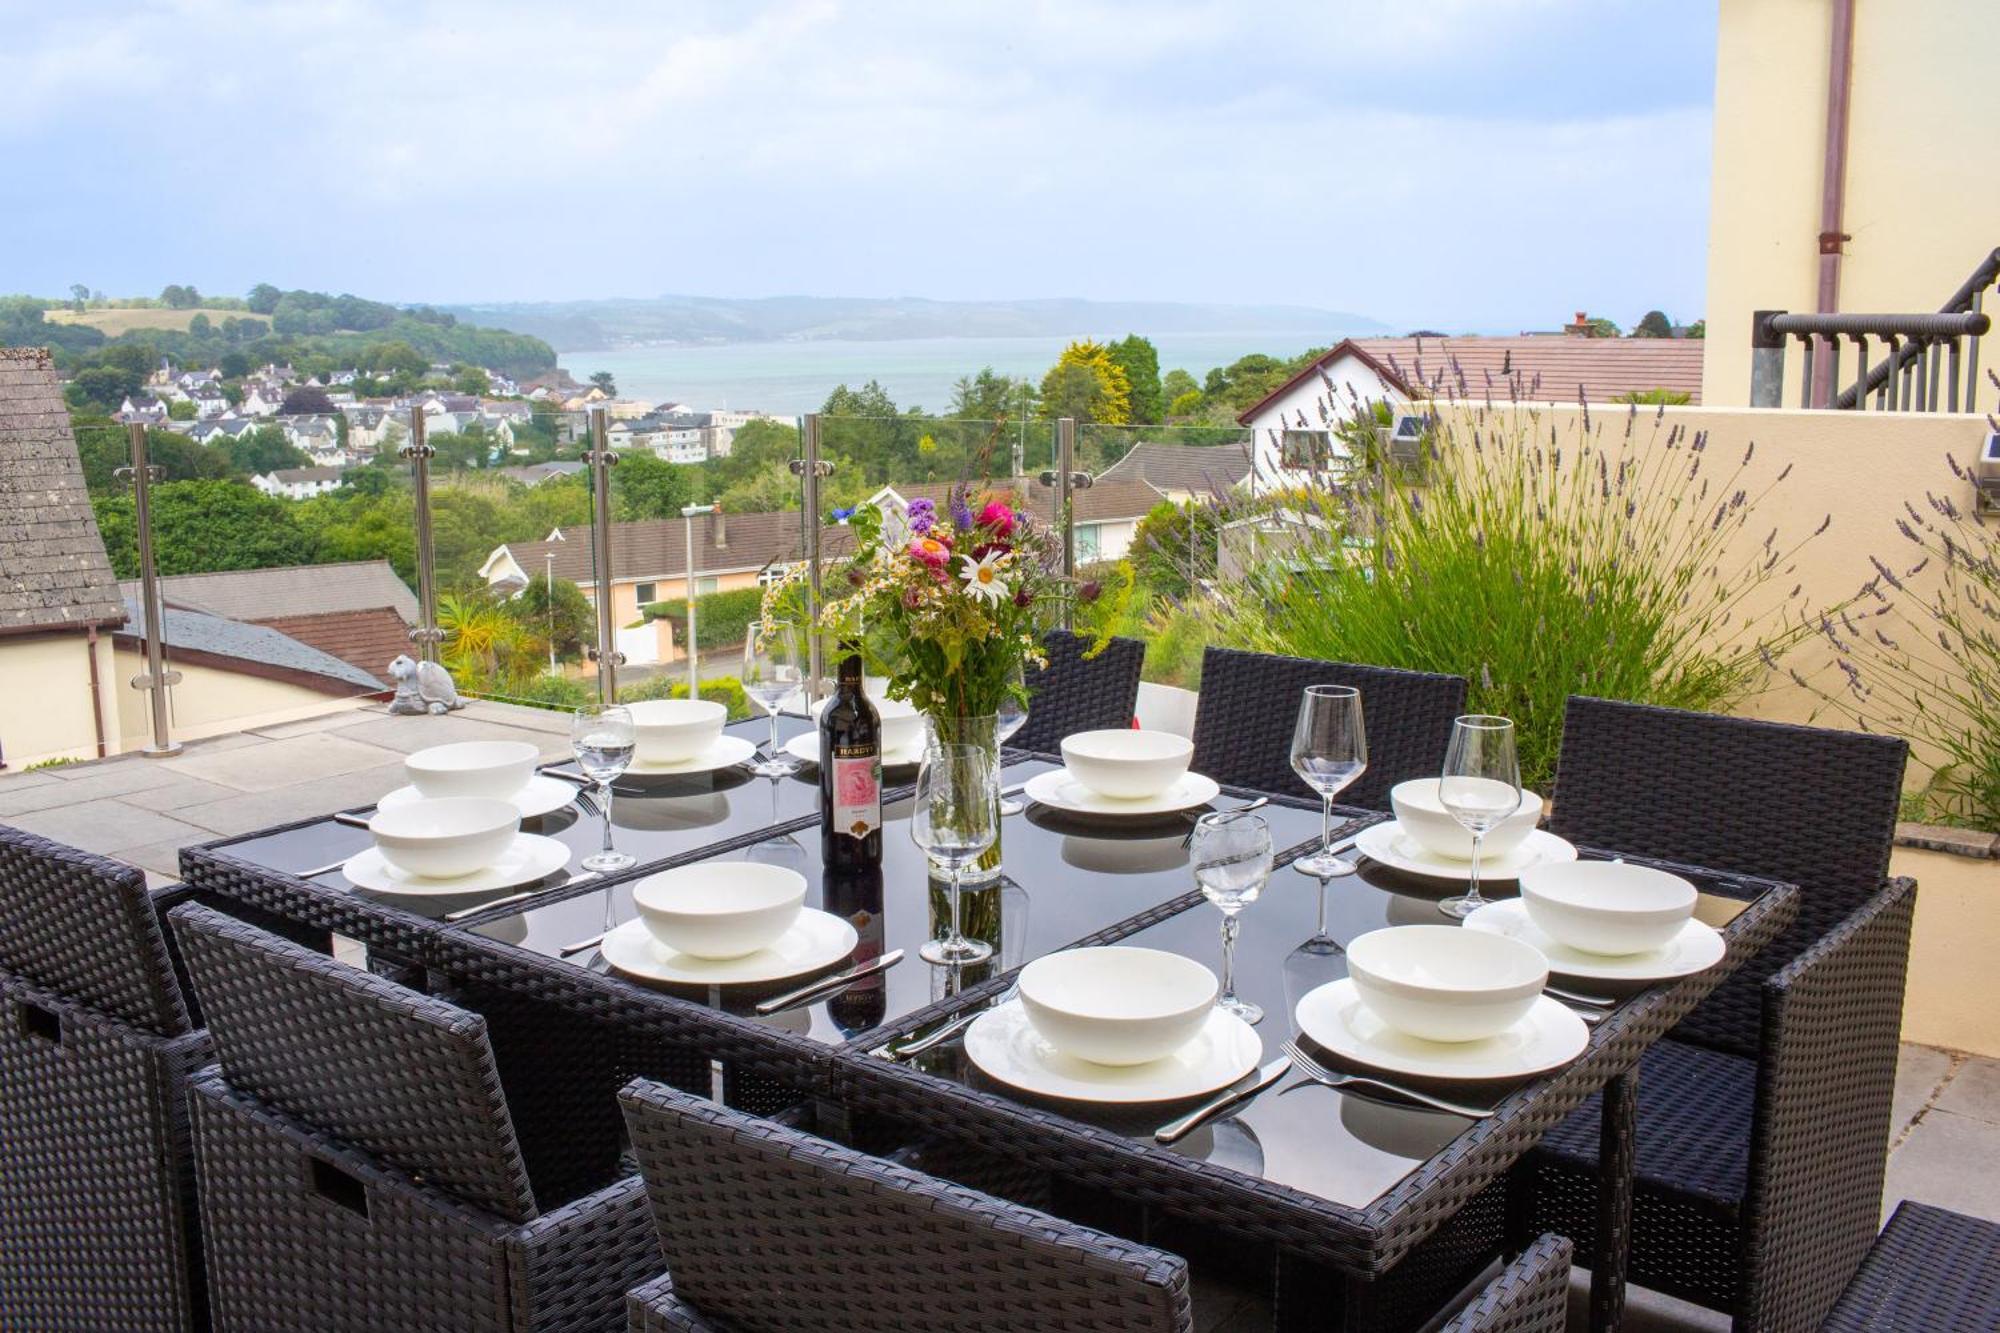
(1077, 693)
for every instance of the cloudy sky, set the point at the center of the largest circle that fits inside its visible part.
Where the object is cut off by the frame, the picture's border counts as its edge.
(1471, 164)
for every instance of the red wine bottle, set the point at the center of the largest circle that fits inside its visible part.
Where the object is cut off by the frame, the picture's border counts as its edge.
(850, 774)
(857, 896)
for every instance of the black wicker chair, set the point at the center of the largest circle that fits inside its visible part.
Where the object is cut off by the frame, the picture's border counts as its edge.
(97, 1211)
(1930, 1271)
(359, 1165)
(1074, 693)
(769, 1229)
(1763, 1120)
(1530, 1295)
(1250, 703)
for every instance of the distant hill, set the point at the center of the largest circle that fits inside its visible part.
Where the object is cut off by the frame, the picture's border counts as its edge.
(582, 326)
(119, 319)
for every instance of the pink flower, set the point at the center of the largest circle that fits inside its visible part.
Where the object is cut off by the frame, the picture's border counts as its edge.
(930, 551)
(998, 517)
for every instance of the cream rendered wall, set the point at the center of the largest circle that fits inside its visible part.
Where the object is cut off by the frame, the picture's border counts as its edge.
(1923, 199)
(45, 700)
(213, 702)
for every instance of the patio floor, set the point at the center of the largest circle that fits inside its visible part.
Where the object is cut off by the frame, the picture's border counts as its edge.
(143, 811)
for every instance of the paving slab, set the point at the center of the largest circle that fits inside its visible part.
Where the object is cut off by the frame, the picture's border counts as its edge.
(1952, 1161)
(182, 791)
(283, 763)
(24, 779)
(408, 734)
(1974, 1092)
(106, 826)
(247, 812)
(82, 783)
(1920, 1072)
(553, 720)
(307, 726)
(161, 859)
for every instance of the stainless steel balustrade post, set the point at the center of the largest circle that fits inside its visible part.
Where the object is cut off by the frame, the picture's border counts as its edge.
(426, 636)
(156, 679)
(688, 513)
(810, 468)
(1806, 373)
(605, 654)
(1767, 361)
(1066, 481)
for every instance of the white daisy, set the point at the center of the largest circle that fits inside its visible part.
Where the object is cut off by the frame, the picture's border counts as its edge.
(982, 577)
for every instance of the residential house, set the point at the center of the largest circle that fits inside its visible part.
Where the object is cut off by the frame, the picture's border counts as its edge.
(261, 596)
(1106, 516)
(142, 409)
(298, 483)
(261, 398)
(534, 474)
(222, 429)
(1295, 426)
(209, 401)
(1182, 472)
(368, 428)
(315, 435)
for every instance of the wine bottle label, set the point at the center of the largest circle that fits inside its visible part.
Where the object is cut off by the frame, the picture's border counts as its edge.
(857, 794)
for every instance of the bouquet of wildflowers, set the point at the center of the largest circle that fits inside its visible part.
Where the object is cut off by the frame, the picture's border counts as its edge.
(949, 603)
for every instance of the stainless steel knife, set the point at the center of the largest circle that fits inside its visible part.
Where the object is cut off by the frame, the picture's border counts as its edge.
(1176, 1130)
(826, 985)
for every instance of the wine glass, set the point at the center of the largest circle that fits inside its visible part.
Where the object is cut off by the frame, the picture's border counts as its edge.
(956, 819)
(601, 737)
(1232, 861)
(1329, 751)
(1481, 786)
(772, 674)
(1009, 718)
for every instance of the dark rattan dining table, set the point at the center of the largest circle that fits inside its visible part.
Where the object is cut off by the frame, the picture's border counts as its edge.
(1367, 1204)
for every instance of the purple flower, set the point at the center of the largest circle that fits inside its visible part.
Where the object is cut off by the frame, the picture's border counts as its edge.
(922, 515)
(842, 515)
(961, 510)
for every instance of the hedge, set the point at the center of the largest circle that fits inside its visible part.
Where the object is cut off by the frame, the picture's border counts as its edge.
(725, 690)
(721, 619)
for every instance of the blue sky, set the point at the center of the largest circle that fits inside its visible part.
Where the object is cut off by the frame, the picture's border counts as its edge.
(1466, 164)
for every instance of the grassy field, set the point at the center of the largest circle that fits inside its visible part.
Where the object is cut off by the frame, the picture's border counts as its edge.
(115, 322)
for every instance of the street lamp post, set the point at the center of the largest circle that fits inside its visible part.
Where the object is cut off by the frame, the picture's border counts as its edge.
(549, 595)
(688, 513)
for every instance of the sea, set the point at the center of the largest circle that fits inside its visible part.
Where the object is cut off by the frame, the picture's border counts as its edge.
(788, 378)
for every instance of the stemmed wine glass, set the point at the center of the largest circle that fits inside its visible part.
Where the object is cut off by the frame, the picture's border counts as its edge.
(1481, 786)
(1009, 718)
(1232, 861)
(1329, 751)
(956, 819)
(772, 674)
(601, 737)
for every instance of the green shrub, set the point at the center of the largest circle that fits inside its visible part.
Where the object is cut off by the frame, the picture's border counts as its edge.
(1538, 568)
(1176, 634)
(544, 691)
(725, 690)
(721, 619)
(1175, 546)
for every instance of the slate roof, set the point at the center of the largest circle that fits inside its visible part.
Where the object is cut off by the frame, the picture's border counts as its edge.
(54, 573)
(256, 650)
(266, 594)
(299, 476)
(368, 639)
(1185, 468)
(1545, 367)
(657, 548)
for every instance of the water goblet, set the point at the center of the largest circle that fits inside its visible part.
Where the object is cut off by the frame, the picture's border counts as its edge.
(772, 674)
(602, 739)
(955, 820)
(1329, 751)
(1232, 862)
(1480, 788)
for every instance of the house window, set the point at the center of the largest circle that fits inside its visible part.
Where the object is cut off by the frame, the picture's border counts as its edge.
(769, 575)
(1087, 541)
(1304, 448)
(703, 587)
(648, 593)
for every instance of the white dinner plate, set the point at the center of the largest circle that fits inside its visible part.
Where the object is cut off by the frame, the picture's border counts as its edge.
(1699, 946)
(1059, 791)
(816, 941)
(1389, 844)
(1548, 1037)
(1006, 1047)
(727, 752)
(542, 796)
(805, 747)
(528, 858)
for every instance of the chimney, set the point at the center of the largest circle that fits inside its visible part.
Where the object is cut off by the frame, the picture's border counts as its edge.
(720, 533)
(1581, 327)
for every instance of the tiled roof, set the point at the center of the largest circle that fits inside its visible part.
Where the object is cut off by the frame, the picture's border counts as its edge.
(1542, 367)
(1181, 467)
(368, 639)
(301, 475)
(266, 594)
(252, 649)
(53, 570)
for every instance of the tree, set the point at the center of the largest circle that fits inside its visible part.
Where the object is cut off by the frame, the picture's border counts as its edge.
(176, 297)
(104, 446)
(306, 400)
(644, 486)
(1601, 327)
(263, 450)
(1180, 392)
(602, 379)
(199, 327)
(181, 409)
(1140, 361)
(204, 525)
(1085, 383)
(1174, 545)
(263, 298)
(1698, 329)
(79, 297)
(1653, 324)
(566, 619)
(470, 379)
(103, 387)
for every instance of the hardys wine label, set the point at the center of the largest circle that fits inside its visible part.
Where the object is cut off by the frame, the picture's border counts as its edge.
(857, 790)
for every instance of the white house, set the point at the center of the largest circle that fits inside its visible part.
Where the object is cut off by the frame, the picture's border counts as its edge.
(298, 483)
(144, 409)
(261, 398)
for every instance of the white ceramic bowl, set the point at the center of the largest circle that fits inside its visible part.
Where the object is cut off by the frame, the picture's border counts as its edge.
(1444, 983)
(1607, 906)
(902, 725)
(670, 730)
(1117, 1006)
(1127, 765)
(720, 909)
(1423, 817)
(444, 839)
(472, 768)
